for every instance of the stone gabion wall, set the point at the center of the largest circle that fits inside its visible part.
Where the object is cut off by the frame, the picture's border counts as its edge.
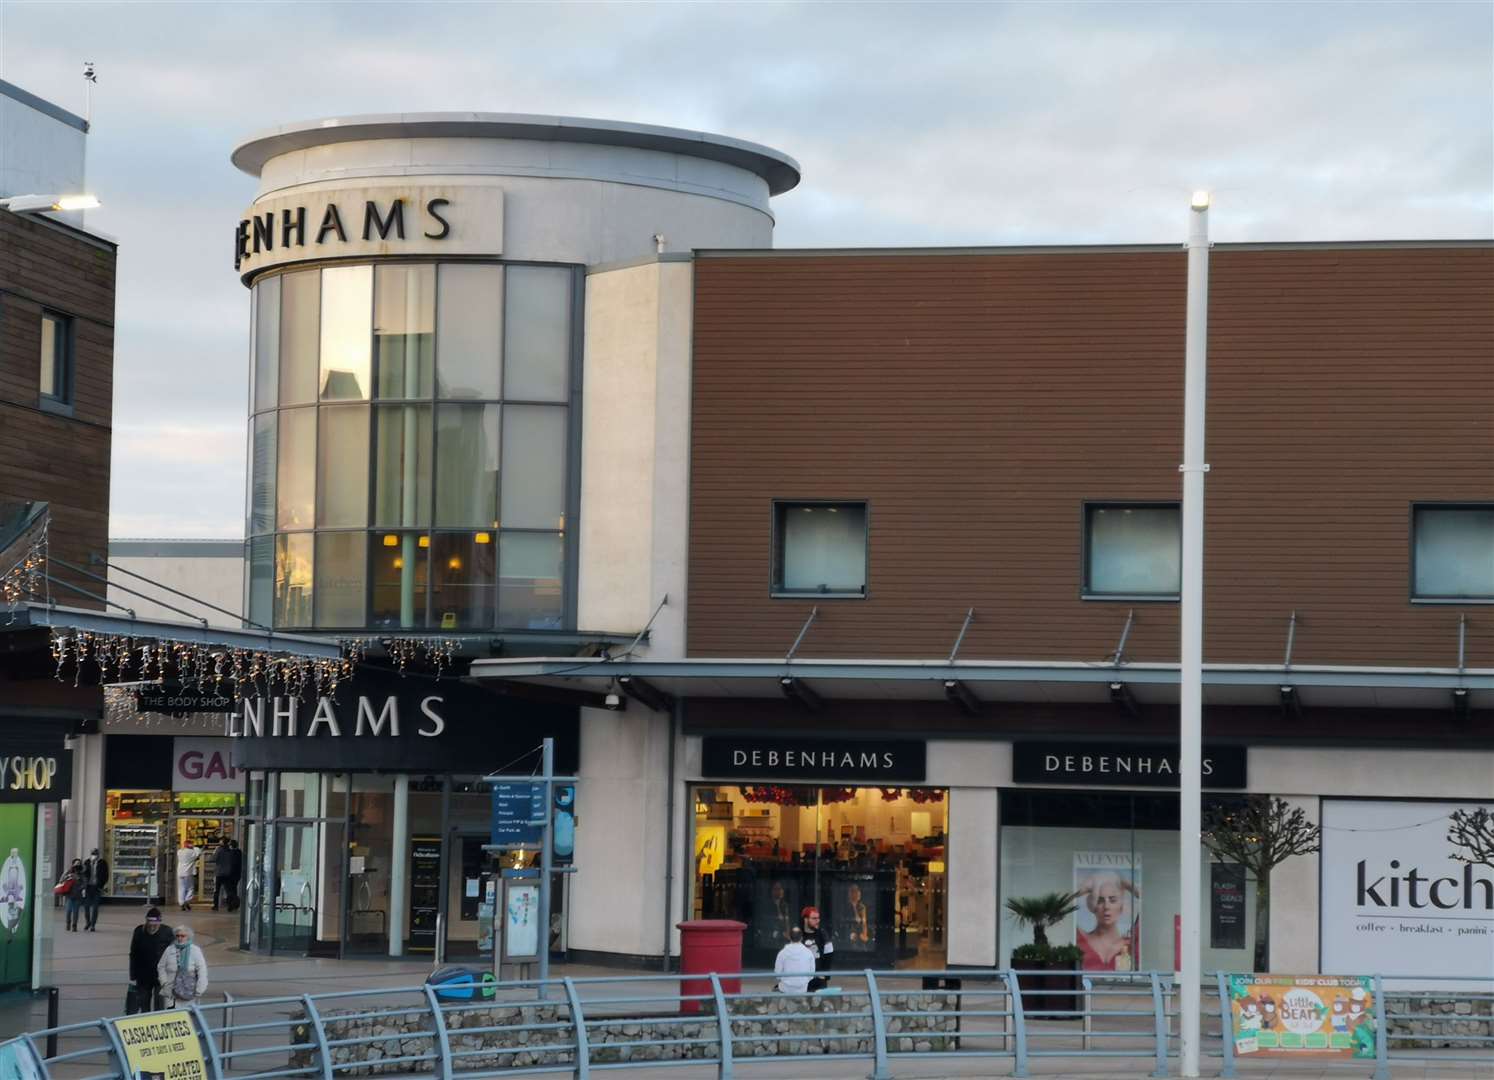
(759, 1024)
(1440, 1022)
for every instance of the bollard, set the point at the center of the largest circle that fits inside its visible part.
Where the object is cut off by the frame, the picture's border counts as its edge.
(54, 1010)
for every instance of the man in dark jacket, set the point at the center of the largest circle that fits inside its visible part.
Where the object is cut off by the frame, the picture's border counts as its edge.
(223, 873)
(147, 945)
(95, 877)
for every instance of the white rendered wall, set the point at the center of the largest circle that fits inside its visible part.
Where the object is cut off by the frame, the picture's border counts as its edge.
(617, 892)
(218, 580)
(635, 465)
(39, 155)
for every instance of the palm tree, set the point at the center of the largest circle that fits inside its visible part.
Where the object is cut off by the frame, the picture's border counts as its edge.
(1041, 912)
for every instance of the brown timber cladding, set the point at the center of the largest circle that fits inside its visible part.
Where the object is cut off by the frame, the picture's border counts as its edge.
(63, 461)
(976, 401)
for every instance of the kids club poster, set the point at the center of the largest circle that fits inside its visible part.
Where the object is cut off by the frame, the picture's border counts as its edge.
(1323, 1015)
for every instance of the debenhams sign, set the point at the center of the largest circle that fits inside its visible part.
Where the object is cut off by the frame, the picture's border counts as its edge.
(368, 222)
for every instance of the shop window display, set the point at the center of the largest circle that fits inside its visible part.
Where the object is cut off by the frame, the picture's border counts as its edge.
(1118, 854)
(871, 859)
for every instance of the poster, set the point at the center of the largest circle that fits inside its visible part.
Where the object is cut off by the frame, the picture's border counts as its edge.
(1326, 1016)
(521, 920)
(775, 910)
(425, 891)
(1393, 891)
(855, 916)
(1107, 924)
(161, 1046)
(17, 838)
(1226, 906)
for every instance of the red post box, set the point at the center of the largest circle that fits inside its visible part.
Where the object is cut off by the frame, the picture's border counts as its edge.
(708, 945)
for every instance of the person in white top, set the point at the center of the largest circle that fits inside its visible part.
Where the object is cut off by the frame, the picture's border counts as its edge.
(794, 965)
(186, 875)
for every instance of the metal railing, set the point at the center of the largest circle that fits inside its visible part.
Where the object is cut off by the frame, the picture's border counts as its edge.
(572, 1026)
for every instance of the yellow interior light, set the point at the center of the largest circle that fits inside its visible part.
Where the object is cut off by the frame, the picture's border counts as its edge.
(399, 564)
(390, 540)
(935, 866)
(425, 541)
(454, 563)
(484, 538)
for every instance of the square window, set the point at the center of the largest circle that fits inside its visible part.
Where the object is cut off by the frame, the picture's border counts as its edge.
(56, 359)
(819, 549)
(1452, 552)
(1133, 551)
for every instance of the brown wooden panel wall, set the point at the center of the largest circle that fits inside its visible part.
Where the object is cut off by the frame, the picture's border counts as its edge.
(976, 401)
(62, 460)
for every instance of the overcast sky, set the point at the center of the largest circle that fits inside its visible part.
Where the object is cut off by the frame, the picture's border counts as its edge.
(915, 124)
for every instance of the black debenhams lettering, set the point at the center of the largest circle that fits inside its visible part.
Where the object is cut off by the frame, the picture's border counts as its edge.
(263, 232)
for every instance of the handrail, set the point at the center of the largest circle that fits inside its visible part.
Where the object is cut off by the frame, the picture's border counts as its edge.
(582, 1024)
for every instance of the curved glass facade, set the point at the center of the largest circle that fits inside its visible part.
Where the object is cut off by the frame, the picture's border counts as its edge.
(410, 457)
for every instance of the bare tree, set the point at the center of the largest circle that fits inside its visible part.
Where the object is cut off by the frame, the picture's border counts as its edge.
(1472, 832)
(1259, 833)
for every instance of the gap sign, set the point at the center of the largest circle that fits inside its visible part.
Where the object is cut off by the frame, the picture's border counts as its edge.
(518, 815)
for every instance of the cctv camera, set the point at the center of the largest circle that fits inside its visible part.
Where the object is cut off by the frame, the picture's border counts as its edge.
(613, 701)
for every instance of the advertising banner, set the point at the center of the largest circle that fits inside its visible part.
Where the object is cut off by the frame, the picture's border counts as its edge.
(17, 903)
(1226, 906)
(1107, 926)
(1393, 891)
(162, 1046)
(1325, 1016)
(201, 764)
(521, 920)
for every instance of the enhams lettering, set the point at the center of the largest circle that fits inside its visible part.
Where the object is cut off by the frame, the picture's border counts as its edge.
(284, 715)
(263, 232)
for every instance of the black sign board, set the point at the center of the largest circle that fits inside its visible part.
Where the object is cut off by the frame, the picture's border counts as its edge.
(425, 891)
(35, 768)
(414, 724)
(1226, 906)
(518, 815)
(758, 757)
(1121, 764)
(179, 701)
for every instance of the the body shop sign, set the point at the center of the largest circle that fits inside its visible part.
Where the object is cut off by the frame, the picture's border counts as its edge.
(204, 765)
(1393, 891)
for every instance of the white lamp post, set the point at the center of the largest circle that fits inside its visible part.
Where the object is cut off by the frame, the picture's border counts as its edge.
(41, 204)
(1190, 756)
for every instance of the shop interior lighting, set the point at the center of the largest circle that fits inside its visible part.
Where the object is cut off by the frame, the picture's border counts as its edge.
(484, 538)
(454, 563)
(425, 541)
(41, 204)
(390, 540)
(399, 564)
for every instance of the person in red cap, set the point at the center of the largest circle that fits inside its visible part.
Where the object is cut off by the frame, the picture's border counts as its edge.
(817, 938)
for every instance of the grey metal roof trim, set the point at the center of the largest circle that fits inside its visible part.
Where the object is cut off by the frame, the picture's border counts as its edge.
(777, 168)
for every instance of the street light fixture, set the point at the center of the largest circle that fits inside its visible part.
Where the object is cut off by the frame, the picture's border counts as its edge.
(41, 204)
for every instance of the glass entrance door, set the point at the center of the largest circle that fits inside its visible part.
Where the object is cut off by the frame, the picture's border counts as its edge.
(294, 907)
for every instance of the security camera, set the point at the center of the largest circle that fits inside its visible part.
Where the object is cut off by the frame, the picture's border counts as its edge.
(613, 701)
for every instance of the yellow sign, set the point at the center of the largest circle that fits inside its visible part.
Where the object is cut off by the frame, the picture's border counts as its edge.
(162, 1046)
(1321, 1015)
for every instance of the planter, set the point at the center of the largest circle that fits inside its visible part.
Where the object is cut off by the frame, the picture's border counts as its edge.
(1048, 987)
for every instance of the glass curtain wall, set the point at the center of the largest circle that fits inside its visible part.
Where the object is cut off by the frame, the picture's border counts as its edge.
(409, 457)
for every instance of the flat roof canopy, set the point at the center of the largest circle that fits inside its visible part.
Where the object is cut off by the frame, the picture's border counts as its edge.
(1003, 681)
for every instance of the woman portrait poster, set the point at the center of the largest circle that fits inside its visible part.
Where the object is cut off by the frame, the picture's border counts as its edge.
(1107, 925)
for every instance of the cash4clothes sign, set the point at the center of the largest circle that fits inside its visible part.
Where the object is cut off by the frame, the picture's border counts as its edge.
(1320, 1015)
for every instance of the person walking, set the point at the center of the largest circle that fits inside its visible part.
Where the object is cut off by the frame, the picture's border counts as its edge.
(72, 898)
(223, 873)
(95, 879)
(182, 972)
(186, 874)
(148, 944)
(236, 876)
(794, 964)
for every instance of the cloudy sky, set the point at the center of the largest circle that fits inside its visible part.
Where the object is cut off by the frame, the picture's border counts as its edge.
(916, 124)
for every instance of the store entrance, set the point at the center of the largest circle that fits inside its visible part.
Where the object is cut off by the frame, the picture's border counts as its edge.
(872, 860)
